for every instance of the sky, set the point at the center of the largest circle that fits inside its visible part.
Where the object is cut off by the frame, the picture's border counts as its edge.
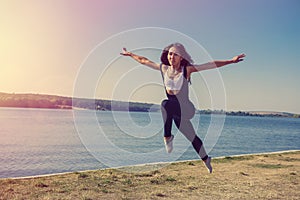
(51, 47)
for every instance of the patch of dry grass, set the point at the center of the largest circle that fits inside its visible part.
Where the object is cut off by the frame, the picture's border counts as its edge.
(268, 176)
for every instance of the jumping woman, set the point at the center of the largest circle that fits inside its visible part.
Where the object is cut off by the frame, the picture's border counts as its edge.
(176, 68)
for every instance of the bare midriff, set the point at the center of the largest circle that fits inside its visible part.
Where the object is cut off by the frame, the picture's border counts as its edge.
(173, 92)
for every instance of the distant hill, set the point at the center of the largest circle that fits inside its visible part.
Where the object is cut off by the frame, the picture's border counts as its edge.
(60, 102)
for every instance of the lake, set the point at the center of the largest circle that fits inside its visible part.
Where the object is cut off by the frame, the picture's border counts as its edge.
(45, 141)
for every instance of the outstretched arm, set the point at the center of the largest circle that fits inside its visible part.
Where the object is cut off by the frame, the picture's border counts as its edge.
(141, 59)
(217, 63)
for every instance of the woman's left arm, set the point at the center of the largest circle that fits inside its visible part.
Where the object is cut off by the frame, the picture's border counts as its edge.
(217, 63)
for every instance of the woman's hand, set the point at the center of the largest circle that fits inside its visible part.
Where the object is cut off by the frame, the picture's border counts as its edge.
(125, 52)
(238, 58)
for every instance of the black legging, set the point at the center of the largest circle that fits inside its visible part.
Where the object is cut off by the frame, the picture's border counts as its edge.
(171, 110)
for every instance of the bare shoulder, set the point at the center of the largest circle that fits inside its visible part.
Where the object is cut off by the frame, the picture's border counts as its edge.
(164, 68)
(190, 69)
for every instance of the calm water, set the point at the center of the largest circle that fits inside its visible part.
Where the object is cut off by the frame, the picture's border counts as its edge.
(41, 141)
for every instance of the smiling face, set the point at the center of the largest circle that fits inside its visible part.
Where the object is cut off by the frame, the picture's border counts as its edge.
(174, 57)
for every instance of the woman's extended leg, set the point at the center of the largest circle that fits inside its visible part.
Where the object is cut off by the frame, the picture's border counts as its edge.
(185, 126)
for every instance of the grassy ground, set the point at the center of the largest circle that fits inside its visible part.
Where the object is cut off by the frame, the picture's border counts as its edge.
(268, 176)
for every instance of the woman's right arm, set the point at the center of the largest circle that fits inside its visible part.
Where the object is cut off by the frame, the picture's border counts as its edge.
(141, 59)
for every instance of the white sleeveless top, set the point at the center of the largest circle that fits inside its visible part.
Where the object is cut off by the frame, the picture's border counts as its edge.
(173, 84)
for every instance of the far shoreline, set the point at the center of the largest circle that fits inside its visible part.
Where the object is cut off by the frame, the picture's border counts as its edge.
(45, 101)
(201, 112)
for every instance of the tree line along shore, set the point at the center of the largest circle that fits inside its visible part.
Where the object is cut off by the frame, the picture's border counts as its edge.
(61, 102)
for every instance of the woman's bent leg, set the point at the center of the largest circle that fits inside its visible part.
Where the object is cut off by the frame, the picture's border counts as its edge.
(167, 117)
